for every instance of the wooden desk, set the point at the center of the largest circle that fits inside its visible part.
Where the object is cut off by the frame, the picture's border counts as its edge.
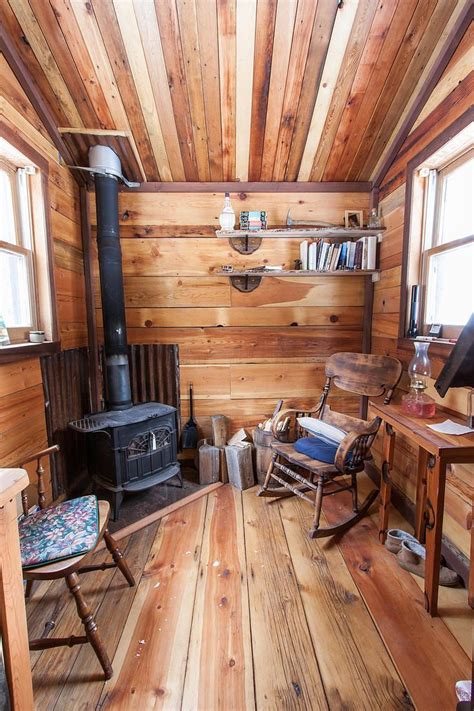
(12, 596)
(435, 452)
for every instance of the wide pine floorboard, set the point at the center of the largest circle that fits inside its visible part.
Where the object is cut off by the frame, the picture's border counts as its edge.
(235, 609)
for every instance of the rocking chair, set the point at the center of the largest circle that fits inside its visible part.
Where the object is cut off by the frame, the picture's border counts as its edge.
(58, 542)
(365, 375)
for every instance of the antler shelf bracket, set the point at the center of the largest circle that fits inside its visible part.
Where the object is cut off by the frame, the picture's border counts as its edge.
(245, 244)
(245, 283)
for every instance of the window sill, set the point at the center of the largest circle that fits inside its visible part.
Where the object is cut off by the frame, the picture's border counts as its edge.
(19, 351)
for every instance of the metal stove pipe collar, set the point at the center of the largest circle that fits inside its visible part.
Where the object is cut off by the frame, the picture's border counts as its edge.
(104, 160)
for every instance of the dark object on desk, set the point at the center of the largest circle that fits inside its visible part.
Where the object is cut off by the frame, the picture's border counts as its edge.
(190, 432)
(435, 331)
(414, 306)
(458, 371)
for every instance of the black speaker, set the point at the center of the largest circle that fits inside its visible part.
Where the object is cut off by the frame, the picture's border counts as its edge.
(414, 306)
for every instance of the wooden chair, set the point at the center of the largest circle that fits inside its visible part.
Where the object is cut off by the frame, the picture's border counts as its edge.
(46, 521)
(365, 375)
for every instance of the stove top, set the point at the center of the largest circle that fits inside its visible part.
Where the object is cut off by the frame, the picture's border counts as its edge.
(119, 418)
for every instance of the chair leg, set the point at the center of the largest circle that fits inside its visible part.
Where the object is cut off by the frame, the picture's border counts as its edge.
(119, 560)
(318, 503)
(29, 588)
(355, 500)
(268, 475)
(87, 619)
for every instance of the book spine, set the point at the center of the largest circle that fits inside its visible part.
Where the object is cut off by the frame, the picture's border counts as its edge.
(358, 255)
(371, 251)
(304, 254)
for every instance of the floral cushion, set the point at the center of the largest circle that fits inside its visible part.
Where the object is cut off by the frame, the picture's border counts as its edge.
(59, 532)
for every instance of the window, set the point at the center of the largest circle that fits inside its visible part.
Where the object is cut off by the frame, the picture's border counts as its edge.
(448, 250)
(26, 271)
(438, 246)
(17, 286)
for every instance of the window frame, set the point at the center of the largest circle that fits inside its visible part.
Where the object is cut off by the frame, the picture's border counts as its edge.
(42, 264)
(17, 333)
(413, 221)
(442, 172)
(432, 218)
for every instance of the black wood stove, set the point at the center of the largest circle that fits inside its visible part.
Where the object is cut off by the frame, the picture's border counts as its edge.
(129, 447)
(131, 450)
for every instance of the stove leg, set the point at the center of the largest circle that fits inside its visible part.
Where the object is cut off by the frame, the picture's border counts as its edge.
(117, 498)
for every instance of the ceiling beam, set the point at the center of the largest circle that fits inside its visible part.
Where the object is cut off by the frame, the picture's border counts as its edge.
(241, 187)
(29, 86)
(450, 45)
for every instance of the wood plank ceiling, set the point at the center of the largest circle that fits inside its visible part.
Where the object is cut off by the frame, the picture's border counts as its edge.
(213, 90)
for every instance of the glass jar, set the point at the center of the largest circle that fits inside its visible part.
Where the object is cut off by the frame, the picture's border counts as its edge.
(374, 220)
(416, 403)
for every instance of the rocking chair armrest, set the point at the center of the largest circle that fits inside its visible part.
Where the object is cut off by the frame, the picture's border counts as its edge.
(282, 435)
(351, 443)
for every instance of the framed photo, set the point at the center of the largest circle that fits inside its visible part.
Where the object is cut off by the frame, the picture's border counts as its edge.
(354, 219)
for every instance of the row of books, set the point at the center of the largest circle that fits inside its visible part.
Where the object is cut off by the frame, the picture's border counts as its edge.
(326, 256)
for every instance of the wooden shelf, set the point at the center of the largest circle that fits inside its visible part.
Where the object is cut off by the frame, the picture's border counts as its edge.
(248, 241)
(247, 281)
(290, 232)
(300, 273)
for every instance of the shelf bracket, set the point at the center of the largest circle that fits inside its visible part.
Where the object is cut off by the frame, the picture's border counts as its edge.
(245, 283)
(246, 244)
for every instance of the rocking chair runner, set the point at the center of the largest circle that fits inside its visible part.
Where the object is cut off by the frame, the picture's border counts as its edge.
(358, 373)
(48, 540)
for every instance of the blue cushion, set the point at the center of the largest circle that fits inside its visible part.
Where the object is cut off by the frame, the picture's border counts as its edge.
(59, 532)
(319, 448)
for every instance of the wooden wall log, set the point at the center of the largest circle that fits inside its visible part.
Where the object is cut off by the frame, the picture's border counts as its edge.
(236, 348)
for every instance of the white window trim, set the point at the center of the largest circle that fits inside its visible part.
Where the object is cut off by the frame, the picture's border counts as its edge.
(430, 245)
(18, 334)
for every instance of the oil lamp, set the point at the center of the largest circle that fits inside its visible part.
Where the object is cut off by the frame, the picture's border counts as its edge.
(416, 402)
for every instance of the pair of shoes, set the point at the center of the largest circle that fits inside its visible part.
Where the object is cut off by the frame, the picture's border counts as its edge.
(412, 556)
(394, 539)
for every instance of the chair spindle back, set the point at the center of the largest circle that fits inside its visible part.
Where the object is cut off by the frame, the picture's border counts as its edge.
(362, 374)
(38, 457)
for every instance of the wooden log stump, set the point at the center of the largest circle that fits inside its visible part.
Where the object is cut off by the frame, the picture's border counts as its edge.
(209, 463)
(262, 441)
(219, 430)
(223, 474)
(240, 466)
(220, 434)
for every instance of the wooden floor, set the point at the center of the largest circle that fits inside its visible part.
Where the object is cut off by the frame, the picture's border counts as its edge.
(236, 608)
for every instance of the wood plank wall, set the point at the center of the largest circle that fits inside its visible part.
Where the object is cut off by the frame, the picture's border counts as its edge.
(450, 98)
(22, 423)
(241, 351)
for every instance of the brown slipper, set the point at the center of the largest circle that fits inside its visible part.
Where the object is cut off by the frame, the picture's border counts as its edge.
(411, 557)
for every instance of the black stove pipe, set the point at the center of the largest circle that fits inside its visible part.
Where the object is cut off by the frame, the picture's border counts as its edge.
(119, 395)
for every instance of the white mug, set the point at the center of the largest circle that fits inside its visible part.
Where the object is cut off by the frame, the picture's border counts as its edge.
(36, 336)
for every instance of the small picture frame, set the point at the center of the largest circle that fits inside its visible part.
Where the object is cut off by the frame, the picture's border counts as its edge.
(354, 219)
